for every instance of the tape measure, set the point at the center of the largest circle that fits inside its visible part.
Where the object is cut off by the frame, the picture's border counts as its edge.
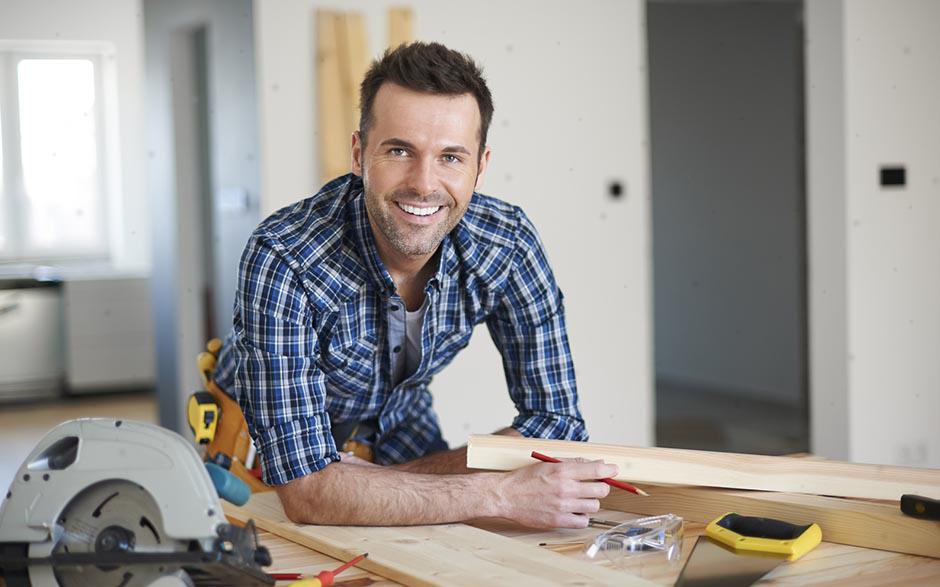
(203, 415)
(764, 535)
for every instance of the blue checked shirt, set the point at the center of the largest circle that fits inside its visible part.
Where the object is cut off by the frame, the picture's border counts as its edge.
(309, 343)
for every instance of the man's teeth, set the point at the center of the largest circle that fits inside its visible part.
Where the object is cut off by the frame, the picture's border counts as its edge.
(418, 211)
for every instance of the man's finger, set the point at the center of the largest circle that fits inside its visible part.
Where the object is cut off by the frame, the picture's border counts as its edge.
(596, 490)
(572, 521)
(583, 506)
(584, 471)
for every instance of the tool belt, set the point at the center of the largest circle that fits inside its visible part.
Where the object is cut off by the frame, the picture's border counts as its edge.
(356, 437)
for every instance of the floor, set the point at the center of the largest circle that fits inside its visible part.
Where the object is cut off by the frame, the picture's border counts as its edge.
(22, 426)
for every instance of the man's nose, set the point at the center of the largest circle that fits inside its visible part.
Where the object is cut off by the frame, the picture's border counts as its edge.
(422, 178)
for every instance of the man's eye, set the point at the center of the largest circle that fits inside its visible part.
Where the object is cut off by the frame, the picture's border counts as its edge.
(451, 158)
(398, 151)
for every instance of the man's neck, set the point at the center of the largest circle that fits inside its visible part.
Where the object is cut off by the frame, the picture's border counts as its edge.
(410, 274)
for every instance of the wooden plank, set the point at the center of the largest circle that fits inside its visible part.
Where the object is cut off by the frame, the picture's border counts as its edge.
(445, 554)
(867, 524)
(356, 64)
(289, 557)
(400, 26)
(829, 564)
(332, 119)
(672, 466)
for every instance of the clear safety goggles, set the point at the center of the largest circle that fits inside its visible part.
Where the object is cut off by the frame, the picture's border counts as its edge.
(651, 534)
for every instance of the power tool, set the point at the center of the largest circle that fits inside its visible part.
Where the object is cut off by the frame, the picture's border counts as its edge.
(111, 503)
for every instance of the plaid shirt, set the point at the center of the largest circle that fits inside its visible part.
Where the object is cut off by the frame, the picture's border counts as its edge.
(309, 347)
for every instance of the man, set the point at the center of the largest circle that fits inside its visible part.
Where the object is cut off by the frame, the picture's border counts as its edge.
(349, 302)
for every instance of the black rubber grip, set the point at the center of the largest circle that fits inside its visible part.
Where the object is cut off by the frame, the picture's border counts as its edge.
(920, 507)
(754, 527)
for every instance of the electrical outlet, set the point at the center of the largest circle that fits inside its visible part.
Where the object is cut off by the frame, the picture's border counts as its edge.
(913, 453)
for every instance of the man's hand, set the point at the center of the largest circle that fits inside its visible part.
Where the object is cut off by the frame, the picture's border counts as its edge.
(554, 495)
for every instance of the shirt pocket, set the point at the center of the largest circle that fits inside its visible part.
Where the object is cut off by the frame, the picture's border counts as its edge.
(349, 367)
(448, 344)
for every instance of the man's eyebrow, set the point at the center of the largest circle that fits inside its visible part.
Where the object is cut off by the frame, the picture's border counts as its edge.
(393, 142)
(456, 149)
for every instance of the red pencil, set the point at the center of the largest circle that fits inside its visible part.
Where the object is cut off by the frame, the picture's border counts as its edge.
(609, 481)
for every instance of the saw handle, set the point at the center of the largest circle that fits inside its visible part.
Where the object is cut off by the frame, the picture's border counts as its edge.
(920, 507)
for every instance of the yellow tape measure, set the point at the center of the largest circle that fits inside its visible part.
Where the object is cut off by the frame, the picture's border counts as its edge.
(764, 535)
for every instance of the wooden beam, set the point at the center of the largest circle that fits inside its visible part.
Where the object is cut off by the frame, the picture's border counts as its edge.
(845, 521)
(332, 120)
(342, 57)
(357, 62)
(400, 26)
(445, 554)
(713, 469)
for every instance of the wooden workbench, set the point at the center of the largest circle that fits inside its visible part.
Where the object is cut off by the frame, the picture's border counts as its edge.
(828, 564)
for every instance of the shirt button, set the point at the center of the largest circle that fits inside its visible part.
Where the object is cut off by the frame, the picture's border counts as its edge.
(397, 349)
(393, 308)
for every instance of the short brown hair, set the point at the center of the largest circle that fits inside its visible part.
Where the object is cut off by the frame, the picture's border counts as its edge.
(426, 67)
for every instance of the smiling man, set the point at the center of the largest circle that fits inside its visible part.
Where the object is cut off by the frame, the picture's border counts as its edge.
(350, 301)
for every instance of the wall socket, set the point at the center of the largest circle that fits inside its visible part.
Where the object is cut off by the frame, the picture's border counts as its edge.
(913, 453)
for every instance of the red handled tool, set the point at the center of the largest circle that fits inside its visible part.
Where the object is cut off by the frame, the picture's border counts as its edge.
(327, 578)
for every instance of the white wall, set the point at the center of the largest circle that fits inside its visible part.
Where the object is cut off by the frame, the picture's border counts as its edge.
(118, 22)
(569, 84)
(876, 333)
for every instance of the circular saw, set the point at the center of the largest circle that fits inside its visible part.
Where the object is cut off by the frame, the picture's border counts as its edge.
(112, 503)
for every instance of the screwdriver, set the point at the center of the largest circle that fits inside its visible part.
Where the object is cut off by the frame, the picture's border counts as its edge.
(326, 578)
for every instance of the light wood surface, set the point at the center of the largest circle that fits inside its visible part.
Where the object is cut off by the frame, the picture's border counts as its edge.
(400, 26)
(844, 521)
(342, 57)
(671, 466)
(829, 564)
(446, 554)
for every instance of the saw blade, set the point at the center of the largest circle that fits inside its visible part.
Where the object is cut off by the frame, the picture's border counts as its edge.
(113, 517)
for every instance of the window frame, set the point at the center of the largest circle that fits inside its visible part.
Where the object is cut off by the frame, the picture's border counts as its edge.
(102, 57)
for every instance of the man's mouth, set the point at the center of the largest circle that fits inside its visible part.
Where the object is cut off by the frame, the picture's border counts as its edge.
(418, 210)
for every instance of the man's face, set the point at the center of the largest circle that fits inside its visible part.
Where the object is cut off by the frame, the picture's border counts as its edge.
(419, 168)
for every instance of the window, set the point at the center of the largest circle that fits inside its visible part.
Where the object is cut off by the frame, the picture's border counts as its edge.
(53, 153)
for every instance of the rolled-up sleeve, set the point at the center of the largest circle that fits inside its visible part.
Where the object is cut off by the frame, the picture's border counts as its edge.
(528, 328)
(269, 365)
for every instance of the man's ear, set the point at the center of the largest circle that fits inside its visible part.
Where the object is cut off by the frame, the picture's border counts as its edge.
(481, 172)
(357, 153)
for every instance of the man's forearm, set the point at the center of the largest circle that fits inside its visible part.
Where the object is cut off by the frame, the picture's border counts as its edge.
(382, 496)
(453, 462)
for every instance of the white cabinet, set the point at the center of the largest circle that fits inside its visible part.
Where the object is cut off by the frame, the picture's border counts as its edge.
(31, 358)
(108, 334)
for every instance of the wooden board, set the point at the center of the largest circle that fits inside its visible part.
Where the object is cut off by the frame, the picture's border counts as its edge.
(713, 469)
(446, 554)
(331, 118)
(845, 521)
(289, 557)
(342, 58)
(400, 26)
(828, 564)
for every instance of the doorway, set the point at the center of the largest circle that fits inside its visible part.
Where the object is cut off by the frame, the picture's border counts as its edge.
(729, 225)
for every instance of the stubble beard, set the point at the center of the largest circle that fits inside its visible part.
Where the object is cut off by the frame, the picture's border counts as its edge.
(410, 240)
